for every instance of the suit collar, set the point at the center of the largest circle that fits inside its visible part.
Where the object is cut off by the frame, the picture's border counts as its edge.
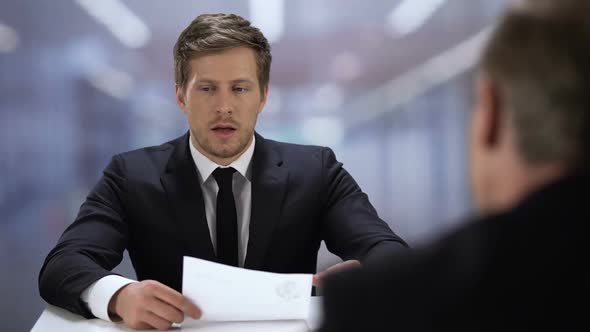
(269, 182)
(181, 182)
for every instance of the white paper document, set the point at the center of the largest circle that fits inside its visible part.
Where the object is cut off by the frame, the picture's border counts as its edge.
(226, 293)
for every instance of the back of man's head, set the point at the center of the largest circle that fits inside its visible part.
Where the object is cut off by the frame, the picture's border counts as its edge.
(539, 58)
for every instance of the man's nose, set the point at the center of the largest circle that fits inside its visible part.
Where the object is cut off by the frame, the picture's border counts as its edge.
(224, 103)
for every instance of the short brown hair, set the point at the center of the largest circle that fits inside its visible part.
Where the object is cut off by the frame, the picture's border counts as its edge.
(209, 33)
(539, 55)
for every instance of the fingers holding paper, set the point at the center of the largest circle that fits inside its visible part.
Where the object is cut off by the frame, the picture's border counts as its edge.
(318, 277)
(150, 304)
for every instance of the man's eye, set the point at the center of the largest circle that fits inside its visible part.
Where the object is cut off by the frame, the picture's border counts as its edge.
(240, 89)
(205, 88)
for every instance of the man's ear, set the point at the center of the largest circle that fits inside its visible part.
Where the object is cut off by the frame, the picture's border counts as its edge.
(180, 97)
(490, 112)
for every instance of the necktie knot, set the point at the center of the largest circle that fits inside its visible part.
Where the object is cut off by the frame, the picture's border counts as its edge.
(224, 176)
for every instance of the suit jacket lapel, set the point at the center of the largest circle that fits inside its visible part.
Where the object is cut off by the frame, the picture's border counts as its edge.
(181, 183)
(269, 182)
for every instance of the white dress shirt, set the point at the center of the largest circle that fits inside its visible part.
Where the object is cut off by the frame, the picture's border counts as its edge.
(98, 295)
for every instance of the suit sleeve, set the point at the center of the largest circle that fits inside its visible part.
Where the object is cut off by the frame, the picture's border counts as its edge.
(91, 246)
(351, 226)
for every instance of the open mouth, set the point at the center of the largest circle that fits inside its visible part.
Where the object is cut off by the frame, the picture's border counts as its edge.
(224, 130)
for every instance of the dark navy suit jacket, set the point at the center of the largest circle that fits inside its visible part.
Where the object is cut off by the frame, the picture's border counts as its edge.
(520, 270)
(149, 202)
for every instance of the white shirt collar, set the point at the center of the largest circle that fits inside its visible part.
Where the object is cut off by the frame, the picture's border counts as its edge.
(206, 167)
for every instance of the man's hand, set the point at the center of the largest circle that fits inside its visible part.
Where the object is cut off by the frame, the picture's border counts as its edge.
(317, 278)
(149, 304)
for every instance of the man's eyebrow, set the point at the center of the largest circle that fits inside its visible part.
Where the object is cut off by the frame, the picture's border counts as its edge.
(243, 80)
(238, 80)
(206, 80)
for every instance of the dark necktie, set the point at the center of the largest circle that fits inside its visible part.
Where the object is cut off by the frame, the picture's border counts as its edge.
(227, 219)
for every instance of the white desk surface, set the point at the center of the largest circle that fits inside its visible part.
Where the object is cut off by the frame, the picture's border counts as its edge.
(57, 319)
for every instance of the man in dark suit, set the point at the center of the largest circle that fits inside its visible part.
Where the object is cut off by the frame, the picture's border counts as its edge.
(221, 192)
(520, 265)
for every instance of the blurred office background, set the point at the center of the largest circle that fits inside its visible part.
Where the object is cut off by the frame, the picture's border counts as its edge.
(386, 83)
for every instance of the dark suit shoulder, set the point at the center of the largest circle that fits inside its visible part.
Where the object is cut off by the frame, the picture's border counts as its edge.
(300, 154)
(293, 147)
(148, 159)
(152, 149)
(517, 268)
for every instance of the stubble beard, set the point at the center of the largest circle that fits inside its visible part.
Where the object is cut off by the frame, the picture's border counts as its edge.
(226, 150)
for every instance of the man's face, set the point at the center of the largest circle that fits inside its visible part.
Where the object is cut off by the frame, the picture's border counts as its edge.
(222, 100)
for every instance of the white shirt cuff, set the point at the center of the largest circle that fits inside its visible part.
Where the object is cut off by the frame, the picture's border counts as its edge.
(98, 295)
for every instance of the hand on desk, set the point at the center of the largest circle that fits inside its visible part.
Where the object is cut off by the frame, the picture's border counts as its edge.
(317, 278)
(150, 304)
